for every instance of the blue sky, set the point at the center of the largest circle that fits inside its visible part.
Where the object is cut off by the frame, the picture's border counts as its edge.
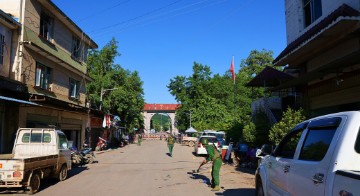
(163, 38)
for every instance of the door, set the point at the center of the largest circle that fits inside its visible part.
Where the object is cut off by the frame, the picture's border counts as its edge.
(280, 162)
(64, 152)
(308, 173)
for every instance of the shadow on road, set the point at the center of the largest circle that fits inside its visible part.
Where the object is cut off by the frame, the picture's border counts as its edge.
(246, 170)
(236, 192)
(199, 176)
(51, 181)
(48, 182)
(168, 154)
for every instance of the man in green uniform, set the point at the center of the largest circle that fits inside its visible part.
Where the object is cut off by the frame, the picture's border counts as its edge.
(139, 139)
(170, 143)
(214, 156)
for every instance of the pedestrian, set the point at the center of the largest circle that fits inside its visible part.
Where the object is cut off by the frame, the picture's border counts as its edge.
(214, 156)
(170, 143)
(139, 139)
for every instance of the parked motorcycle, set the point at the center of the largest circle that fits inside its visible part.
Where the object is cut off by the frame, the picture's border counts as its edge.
(101, 145)
(88, 154)
(76, 157)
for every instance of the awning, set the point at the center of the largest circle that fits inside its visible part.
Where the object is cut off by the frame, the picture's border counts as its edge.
(17, 100)
(190, 130)
(269, 77)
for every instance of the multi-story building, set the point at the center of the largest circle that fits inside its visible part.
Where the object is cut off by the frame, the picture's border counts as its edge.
(50, 61)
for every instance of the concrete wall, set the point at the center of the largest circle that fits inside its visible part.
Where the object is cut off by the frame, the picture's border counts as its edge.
(295, 16)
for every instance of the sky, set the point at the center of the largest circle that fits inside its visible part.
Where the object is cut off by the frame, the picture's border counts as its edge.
(161, 39)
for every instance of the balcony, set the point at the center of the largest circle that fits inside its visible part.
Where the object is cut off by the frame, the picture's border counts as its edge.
(52, 52)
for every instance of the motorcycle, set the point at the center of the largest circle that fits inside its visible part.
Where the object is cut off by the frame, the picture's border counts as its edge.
(76, 157)
(88, 154)
(101, 145)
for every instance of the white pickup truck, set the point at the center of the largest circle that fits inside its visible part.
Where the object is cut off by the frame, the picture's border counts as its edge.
(37, 153)
(320, 156)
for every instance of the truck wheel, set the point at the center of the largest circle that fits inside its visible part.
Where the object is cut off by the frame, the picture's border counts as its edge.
(63, 173)
(191, 144)
(259, 188)
(34, 185)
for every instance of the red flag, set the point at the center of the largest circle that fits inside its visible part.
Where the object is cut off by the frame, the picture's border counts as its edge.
(232, 70)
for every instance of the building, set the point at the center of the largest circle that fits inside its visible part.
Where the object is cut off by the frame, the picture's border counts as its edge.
(323, 51)
(322, 55)
(49, 60)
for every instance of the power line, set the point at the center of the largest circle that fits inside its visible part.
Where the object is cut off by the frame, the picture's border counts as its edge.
(138, 17)
(104, 10)
(178, 11)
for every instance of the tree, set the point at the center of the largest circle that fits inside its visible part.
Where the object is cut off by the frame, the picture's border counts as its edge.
(127, 100)
(290, 119)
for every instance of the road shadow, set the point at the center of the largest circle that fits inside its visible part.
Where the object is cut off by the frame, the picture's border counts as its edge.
(47, 182)
(245, 170)
(168, 154)
(199, 176)
(236, 192)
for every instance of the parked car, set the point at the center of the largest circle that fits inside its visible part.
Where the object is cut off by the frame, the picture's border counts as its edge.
(319, 156)
(199, 149)
(220, 135)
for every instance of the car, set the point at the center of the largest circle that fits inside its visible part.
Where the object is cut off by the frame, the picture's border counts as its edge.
(199, 149)
(220, 135)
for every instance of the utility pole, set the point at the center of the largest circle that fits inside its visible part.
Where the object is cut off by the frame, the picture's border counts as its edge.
(103, 92)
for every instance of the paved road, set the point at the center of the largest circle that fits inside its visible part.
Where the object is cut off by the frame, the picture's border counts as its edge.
(148, 170)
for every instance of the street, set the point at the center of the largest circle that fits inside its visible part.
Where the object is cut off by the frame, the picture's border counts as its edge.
(148, 170)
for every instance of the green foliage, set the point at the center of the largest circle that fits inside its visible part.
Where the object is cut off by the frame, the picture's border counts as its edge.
(290, 119)
(123, 93)
(158, 121)
(216, 103)
(249, 133)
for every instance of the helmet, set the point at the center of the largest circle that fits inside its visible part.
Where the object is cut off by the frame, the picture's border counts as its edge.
(204, 141)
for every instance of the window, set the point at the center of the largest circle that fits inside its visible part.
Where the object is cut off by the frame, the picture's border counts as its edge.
(312, 11)
(42, 76)
(62, 141)
(318, 139)
(357, 143)
(36, 138)
(2, 45)
(75, 48)
(74, 88)
(287, 146)
(46, 26)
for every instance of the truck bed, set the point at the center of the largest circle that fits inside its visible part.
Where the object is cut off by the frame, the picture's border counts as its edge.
(6, 156)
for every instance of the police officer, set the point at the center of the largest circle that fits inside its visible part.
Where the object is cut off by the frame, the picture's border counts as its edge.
(139, 139)
(170, 143)
(214, 156)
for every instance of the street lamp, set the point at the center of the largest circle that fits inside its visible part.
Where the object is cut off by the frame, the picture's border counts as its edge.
(103, 92)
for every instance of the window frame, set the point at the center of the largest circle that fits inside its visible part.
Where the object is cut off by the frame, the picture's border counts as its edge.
(76, 48)
(74, 84)
(42, 78)
(46, 26)
(311, 11)
(2, 46)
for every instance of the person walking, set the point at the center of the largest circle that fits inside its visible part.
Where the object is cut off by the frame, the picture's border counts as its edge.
(214, 156)
(170, 143)
(139, 139)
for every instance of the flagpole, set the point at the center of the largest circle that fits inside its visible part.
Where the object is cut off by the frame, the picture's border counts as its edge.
(234, 91)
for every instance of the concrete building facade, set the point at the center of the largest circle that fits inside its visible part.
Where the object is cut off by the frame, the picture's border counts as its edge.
(323, 53)
(49, 60)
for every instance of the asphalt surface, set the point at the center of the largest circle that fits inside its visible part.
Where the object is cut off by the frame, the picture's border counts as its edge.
(147, 170)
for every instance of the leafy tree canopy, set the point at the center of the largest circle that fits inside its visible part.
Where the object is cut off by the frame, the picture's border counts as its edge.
(122, 89)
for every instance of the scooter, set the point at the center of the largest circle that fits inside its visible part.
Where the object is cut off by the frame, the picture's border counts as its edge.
(87, 154)
(76, 157)
(101, 145)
